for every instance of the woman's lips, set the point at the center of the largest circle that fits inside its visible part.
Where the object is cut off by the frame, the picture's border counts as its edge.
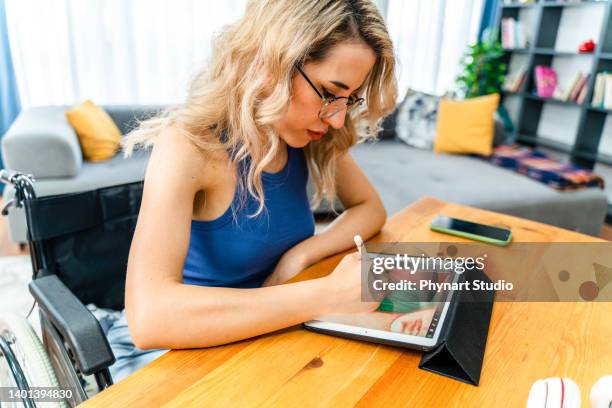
(315, 135)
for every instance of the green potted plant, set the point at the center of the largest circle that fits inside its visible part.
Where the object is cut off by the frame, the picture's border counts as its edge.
(482, 69)
(483, 72)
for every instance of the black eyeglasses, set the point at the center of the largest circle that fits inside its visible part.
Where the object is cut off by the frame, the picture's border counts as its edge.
(333, 104)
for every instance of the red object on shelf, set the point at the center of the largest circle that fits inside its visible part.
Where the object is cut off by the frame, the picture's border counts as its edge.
(587, 46)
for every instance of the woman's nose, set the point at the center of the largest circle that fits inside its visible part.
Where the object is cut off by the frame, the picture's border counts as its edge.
(337, 120)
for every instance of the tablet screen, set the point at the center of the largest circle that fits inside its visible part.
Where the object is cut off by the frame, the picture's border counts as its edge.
(411, 312)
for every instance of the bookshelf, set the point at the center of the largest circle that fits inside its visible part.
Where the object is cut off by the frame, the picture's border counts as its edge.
(545, 17)
(554, 28)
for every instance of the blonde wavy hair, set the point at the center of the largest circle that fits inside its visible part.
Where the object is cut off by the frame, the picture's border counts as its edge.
(233, 102)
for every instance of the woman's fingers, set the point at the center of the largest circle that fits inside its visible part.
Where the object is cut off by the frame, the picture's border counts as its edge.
(412, 327)
(419, 326)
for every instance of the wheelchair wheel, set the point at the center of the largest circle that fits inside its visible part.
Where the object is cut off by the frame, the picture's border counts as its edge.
(30, 355)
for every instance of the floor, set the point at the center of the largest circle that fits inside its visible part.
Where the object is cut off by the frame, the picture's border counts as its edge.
(7, 247)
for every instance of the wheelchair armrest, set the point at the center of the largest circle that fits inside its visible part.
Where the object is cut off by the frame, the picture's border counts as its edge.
(74, 322)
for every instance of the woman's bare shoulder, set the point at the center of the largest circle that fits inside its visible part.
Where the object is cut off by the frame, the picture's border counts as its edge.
(179, 158)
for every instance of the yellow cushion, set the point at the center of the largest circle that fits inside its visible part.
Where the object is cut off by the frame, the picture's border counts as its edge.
(466, 126)
(97, 133)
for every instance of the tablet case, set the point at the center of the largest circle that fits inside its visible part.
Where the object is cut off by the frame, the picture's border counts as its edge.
(460, 353)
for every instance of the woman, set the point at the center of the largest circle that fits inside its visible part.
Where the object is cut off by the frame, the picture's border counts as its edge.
(225, 217)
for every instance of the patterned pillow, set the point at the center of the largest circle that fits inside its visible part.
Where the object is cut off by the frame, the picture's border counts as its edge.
(416, 119)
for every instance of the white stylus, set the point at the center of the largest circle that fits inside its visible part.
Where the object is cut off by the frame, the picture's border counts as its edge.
(361, 247)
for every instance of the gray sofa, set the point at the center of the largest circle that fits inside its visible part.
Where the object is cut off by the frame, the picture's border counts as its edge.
(41, 143)
(403, 174)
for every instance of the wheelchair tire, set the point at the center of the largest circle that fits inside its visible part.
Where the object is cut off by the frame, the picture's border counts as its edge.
(31, 356)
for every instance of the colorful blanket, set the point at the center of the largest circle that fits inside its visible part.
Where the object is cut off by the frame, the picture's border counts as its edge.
(540, 166)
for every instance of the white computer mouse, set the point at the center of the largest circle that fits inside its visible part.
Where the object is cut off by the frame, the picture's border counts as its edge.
(554, 392)
(601, 393)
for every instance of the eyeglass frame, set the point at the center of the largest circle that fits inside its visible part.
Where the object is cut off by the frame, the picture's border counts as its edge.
(350, 103)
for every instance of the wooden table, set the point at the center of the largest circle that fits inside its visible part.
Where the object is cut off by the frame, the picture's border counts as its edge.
(295, 367)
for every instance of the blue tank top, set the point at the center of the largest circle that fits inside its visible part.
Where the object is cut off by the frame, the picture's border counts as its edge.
(239, 251)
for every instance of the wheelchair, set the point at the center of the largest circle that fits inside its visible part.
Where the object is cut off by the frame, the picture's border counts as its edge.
(79, 245)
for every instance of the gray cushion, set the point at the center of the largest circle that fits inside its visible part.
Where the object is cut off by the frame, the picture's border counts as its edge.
(41, 142)
(402, 175)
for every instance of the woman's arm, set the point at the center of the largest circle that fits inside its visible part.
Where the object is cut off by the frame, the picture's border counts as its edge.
(163, 312)
(364, 215)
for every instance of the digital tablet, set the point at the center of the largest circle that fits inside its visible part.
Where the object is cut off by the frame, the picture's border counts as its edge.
(413, 319)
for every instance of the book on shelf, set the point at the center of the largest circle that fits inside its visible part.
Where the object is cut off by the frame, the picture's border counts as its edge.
(598, 90)
(583, 93)
(513, 83)
(578, 87)
(513, 34)
(602, 91)
(546, 81)
(607, 99)
(547, 85)
(507, 27)
(570, 89)
(571, 93)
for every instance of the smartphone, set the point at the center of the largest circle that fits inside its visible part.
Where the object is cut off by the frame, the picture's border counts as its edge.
(471, 230)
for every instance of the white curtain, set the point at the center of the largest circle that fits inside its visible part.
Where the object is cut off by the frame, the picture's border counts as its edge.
(146, 51)
(112, 51)
(429, 38)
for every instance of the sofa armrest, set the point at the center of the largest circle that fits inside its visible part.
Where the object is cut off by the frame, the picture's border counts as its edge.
(74, 322)
(41, 142)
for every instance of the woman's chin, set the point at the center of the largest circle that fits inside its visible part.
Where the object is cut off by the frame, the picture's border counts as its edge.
(297, 142)
(299, 145)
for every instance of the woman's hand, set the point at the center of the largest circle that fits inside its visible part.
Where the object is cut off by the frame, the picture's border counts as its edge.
(344, 287)
(289, 265)
(415, 323)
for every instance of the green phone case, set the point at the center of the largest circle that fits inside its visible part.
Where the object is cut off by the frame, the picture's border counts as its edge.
(472, 236)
